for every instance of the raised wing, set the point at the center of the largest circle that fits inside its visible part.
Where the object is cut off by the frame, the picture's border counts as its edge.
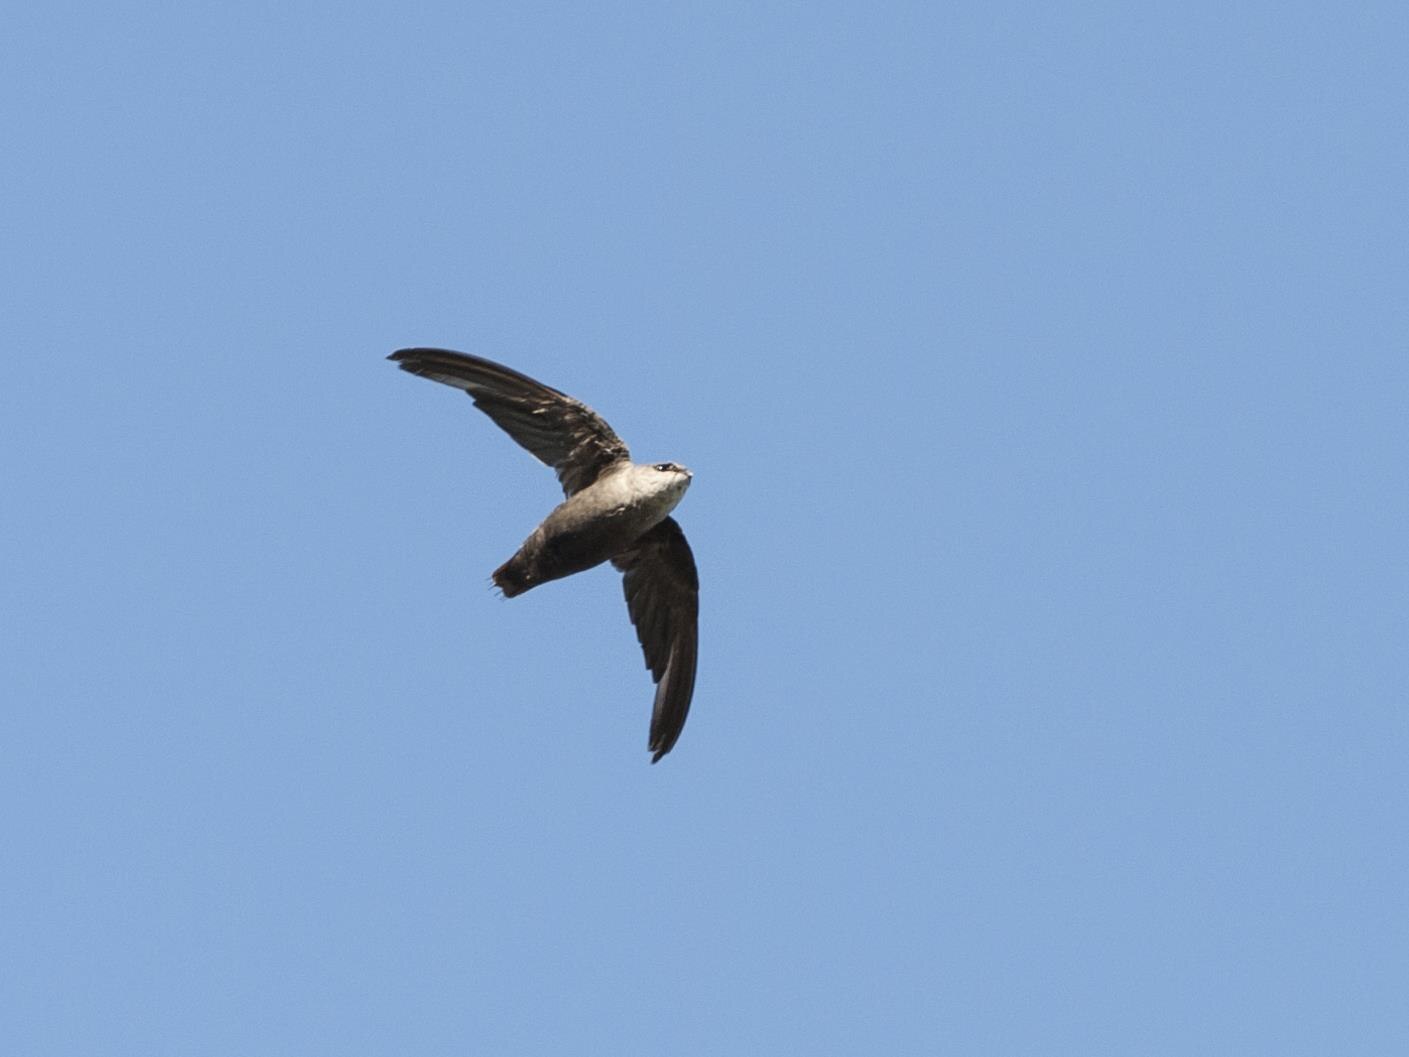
(562, 432)
(663, 598)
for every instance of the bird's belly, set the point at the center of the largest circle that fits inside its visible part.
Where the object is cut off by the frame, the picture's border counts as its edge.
(588, 529)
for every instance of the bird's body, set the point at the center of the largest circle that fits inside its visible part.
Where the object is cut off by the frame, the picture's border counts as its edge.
(615, 510)
(588, 527)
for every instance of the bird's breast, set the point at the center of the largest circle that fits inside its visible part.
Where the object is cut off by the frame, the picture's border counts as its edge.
(627, 502)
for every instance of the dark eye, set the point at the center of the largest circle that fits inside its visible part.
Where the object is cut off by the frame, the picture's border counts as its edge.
(664, 467)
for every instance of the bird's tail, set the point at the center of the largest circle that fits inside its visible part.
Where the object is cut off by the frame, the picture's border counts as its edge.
(512, 577)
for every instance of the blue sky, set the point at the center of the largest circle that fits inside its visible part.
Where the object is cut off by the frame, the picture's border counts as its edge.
(1043, 372)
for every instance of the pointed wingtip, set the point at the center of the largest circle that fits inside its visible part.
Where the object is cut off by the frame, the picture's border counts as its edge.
(421, 352)
(423, 363)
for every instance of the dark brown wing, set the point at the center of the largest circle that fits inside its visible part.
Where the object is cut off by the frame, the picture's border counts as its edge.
(663, 598)
(565, 433)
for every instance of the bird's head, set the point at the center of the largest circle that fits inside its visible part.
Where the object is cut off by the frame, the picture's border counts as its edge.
(678, 476)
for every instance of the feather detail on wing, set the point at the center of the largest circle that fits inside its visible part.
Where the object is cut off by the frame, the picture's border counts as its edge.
(560, 431)
(663, 598)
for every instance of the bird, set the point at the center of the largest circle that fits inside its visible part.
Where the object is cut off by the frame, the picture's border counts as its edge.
(614, 510)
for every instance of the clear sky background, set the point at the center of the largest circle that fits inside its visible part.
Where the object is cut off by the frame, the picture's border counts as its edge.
(1044, 372)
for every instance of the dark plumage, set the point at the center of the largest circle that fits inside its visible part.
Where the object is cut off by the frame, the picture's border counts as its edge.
(614, 510)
